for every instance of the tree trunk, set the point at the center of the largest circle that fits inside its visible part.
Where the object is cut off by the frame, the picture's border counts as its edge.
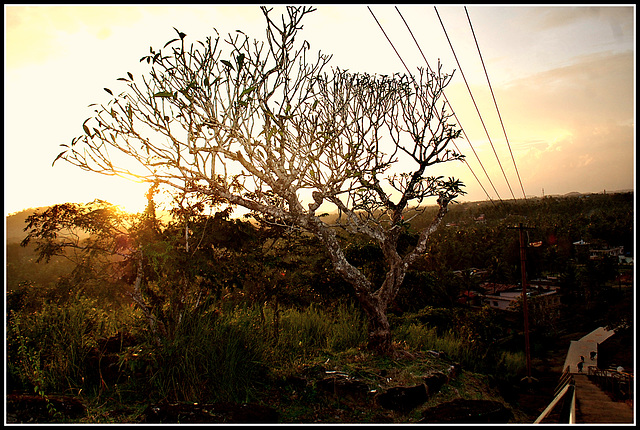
(374, 303)
(379, 331)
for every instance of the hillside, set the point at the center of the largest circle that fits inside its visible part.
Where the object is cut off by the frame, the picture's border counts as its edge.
(309, 362)
(15, 222)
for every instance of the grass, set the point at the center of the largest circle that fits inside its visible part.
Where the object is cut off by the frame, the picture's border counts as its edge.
(239, 353)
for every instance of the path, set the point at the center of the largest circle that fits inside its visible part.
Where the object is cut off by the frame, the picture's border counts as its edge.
(594, 406)
(584, 347)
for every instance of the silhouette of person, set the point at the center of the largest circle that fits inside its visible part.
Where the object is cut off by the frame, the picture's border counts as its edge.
(580, 364)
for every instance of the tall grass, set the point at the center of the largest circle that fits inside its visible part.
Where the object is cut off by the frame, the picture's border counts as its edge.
(47, 348)
(475, 357)
(227, 356)
(225, 352)
(305, 332)
(210, 358)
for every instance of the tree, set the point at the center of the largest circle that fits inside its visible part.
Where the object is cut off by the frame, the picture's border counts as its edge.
(166, 267)
(265, 129)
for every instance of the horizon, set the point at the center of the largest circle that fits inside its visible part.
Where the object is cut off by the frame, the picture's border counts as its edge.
(532, 197)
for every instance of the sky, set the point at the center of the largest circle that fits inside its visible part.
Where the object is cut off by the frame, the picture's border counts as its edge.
(563, 78)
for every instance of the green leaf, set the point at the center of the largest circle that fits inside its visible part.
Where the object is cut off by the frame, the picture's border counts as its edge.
(247, 91)
(240, 61)
(163, 94)
(227, 63)
(59, 155)
(181, 34)
(86, 129)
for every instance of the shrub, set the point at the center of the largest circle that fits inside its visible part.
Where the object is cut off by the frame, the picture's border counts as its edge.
(473, 356)
(47, 348)
(211, 358)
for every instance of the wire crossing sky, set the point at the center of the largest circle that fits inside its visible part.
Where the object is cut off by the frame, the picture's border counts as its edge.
(447, 101)
(493, 96)
(563, 77)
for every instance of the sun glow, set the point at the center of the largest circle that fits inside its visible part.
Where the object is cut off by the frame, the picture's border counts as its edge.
(128, 195)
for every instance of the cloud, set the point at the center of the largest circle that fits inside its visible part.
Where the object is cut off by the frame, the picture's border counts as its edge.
(570, 128)
(595, 89)
(34, 34)
(619, 18)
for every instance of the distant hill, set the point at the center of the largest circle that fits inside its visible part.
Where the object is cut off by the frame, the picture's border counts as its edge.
(15, 224)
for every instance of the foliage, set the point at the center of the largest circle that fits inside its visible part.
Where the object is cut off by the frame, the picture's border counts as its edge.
(47, 349)
(466, 339)
(262, 127)
(211, 357)
(262, 301)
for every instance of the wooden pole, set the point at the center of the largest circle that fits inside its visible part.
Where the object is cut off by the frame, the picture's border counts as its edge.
(523, 259)
(525, 310)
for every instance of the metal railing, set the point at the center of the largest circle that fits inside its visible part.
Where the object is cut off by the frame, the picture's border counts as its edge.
(618, 384)
(565, 387)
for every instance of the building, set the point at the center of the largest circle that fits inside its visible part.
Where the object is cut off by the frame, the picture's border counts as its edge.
(543, 301)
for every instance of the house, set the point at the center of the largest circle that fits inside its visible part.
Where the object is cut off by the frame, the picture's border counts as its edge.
(617, 351)
(503, 300)
(543, 302)
(598, 254)
(584, 249)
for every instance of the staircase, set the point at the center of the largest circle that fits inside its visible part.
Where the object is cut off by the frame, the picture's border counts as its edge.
(594, 406)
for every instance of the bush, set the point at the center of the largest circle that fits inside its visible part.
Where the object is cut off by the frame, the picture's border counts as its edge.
(47, 348)
(473, 356)
(212, 357)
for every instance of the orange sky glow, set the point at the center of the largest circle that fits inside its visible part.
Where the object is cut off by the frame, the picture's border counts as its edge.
(563, 79)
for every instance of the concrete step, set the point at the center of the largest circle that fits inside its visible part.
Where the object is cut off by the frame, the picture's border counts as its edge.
(594, 405)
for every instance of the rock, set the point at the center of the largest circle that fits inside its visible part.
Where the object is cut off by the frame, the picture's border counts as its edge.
(180, 413)
(248, 413)
(29, 408)
(438, 354)
(454, 370)
(221, 412)
(294, 382)
(467, 411)
(403, 398)
(343, 386)
(434, 382)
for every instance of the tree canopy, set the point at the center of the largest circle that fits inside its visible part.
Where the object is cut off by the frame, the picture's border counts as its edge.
(266, 126)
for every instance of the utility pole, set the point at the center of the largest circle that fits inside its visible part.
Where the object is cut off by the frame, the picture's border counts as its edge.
(525, 311)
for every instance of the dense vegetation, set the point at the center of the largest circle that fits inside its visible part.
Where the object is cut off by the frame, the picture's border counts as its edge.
(242, 306)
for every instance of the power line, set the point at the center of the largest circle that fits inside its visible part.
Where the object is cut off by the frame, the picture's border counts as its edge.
(410, 74)
(456, 117)
(391, 43)
(474, 103)
(495, 103)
